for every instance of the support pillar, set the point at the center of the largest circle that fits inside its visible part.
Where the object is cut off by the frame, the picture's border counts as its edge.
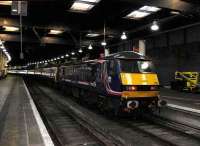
(142, 47)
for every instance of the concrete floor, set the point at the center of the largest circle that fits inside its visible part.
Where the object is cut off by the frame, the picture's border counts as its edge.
(18, 126)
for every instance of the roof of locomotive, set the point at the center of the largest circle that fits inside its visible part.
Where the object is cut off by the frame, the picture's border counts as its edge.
(127, 55)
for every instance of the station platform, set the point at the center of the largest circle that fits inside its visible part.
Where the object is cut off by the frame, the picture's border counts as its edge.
(181, 99)
(20, 122)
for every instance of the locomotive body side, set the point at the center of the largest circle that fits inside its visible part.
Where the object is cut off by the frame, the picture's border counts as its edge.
(113, 83)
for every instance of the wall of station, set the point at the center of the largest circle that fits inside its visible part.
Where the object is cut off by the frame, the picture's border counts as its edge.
(176, 50)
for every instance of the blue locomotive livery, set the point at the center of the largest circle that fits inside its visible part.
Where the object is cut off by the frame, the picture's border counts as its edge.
(124, 81)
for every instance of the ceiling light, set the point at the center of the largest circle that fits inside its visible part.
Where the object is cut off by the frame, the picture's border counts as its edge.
(155, 26)
(137, 15)
(103, 43)
(2, 47)
(67, 55)
(90, 47)
(7, 3)
(150, 9)
(14, 10)
(52, 31)
(175, 12)
(80, 51)
(90, 1)
(11, 28)
(80, 6)
(92, 35)
(73, 53)
(123, 36)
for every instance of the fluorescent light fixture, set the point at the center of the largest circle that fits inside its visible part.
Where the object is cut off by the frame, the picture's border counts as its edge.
(92, 35)
(155, 26)
(2, 47)
(90, 1)
(175, 12)
(6, 3)
(137, 14)
(11, 28)
(150, 9)
(123, 36)
(90, 47)
(52, 31)
(14, 10)
(80, 6)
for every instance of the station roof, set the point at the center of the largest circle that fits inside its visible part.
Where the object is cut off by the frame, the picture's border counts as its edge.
(55, 27)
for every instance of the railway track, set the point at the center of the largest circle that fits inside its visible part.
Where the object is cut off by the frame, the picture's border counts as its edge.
(169, 132)
(148, 132)
(65, 129)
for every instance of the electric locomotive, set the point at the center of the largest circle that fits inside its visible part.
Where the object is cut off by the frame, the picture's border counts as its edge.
(124, 81)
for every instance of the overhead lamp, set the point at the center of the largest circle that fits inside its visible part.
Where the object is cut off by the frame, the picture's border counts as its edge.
(137, 14)
(10, 28)
(80, 6)
(150, 9)
(123, 36)
(90, 1)
(155, 26)
(103, 43)
(52, 31)
(73, 53)
(90, 47)
(67, 55)
(62, 57)
(6, 3)
(80, 51)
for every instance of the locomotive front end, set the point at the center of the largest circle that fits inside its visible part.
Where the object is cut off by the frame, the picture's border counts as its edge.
(140, 85)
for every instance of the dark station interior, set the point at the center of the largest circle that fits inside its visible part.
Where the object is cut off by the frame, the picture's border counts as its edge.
(100, 73)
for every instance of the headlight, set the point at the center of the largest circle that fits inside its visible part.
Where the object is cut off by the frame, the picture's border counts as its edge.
(131, 88)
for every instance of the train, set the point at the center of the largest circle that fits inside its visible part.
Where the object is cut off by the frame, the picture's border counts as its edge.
(121, 82)
(3, 65)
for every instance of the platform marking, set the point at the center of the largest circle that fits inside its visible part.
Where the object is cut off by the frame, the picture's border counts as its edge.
(26, 127)
(45, 135)
(184, 108)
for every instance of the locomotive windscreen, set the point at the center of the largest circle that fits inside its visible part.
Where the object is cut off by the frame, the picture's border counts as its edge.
(136, 66)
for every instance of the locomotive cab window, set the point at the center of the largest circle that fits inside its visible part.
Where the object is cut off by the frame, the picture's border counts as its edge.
(136, 66)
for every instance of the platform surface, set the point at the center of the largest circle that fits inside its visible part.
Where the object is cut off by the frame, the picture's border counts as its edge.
(18, 124)
(191, 100)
